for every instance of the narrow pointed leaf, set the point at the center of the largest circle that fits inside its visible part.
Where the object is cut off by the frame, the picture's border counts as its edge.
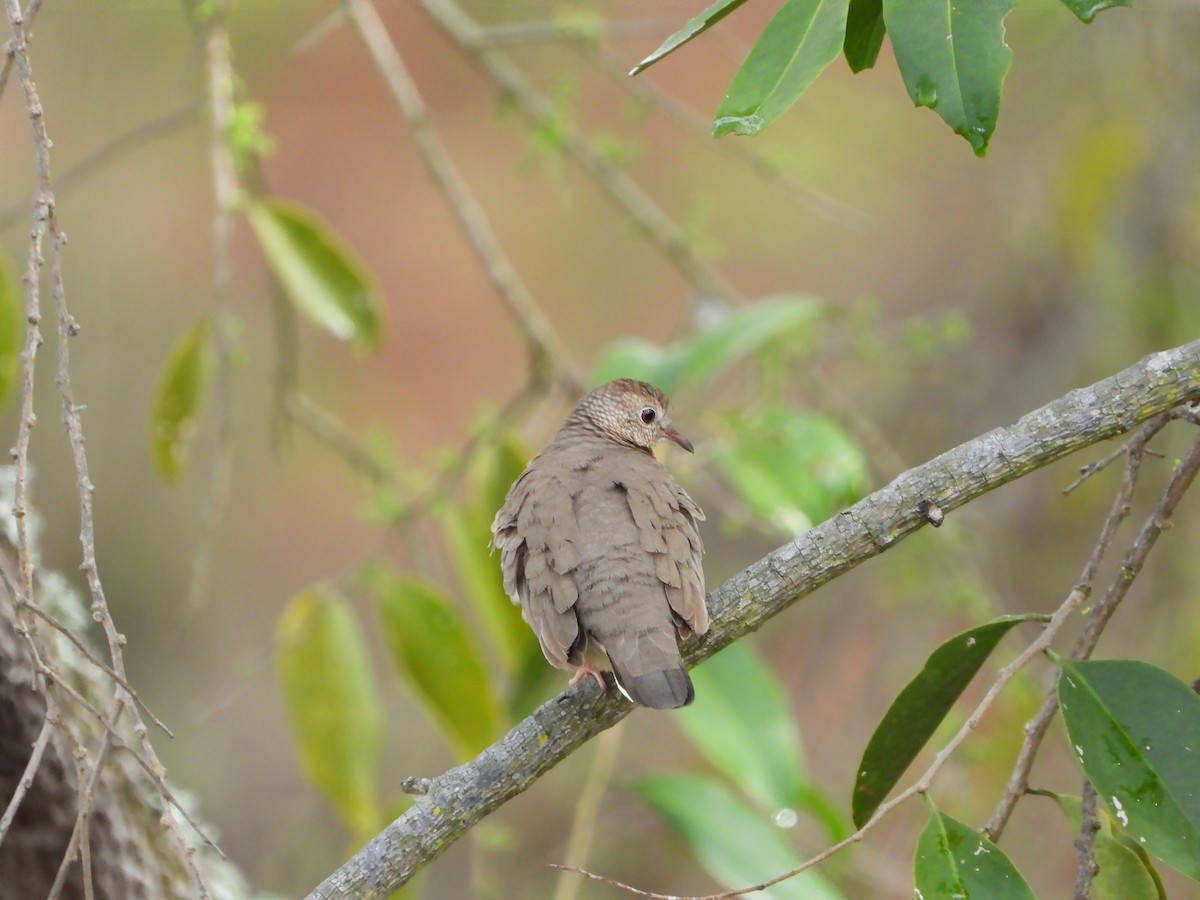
(795, 47)
(321, 661)
(864, 34)
(1136, 732)
(732, 843)
(12, 330)
(1086, 9)
(182, 388)
(953, 59)
(438, 658)
(955, 861)
(919, 709)
(324, 279)
(694, 26)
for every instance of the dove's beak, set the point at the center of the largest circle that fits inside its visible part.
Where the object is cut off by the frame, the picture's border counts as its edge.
(672, 435)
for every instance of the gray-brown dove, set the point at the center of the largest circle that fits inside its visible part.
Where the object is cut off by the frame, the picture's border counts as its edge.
(600, 546)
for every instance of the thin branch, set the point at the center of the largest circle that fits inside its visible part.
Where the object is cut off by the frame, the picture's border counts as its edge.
(49, 724)
(10, 46)
(219, 68)
(1085, 843)
(106, 154)
(748, 153)
(458, 799)
(84, 650)
(1098, 616)
(626, 193)
(549, 359)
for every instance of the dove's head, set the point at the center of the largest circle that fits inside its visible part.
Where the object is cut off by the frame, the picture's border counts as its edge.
(627, 412)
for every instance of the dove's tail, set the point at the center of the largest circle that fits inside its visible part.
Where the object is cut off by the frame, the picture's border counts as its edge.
(648, 670)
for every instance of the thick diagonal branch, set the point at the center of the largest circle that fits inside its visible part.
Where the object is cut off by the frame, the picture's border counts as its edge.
(458, 799)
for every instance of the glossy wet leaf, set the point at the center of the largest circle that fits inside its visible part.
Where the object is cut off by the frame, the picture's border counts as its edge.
(953, 59)
(438, 658)
(1136, 732)
(733, 843)
(696, 360)
(321, 658)
(1086, 10)
(920, 708)
(953, 862)
(324, 279)
(182, 388)
(12, 330)
(694, 26)
(791, 468)
(801, 39)
(864, 34)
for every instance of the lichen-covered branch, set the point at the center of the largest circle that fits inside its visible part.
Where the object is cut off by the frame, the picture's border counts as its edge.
(458, 799)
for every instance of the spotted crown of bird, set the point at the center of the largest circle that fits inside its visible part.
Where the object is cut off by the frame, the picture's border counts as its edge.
(628, 412)
(601, 547)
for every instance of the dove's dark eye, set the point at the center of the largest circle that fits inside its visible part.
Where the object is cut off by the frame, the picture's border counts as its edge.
(649, 415)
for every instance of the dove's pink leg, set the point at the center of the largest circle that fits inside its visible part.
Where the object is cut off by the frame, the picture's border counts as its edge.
(583, 672)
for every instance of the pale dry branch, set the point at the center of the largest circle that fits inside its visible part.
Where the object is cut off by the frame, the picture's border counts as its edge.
(643, 212)
(1097, 618)
(458, 799)
(549, 359)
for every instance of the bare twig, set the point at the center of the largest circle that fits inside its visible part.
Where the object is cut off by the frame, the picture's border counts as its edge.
(34, 609)
(458, 799)
(645, 214)
(1098, 616)
(225, 190)
(1085, 843)
(10, 46)
(549, 359)
(31, 767)
(745, 152)
(106, 154)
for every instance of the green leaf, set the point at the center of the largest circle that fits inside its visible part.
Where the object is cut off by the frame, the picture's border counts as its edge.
(179, 398)
(322, 665)
(1126, 872)
(319, 273)
(954, 862)
(733, 844)
(694, 26)
(12, 330)
(953, 58)
(437, 656)
(916, 713)
(864, 34)
(791, 468)
(798, 43)
(696, 360)
(495, 469)
(1086, 9)
(1136, 732)
(741, 721)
